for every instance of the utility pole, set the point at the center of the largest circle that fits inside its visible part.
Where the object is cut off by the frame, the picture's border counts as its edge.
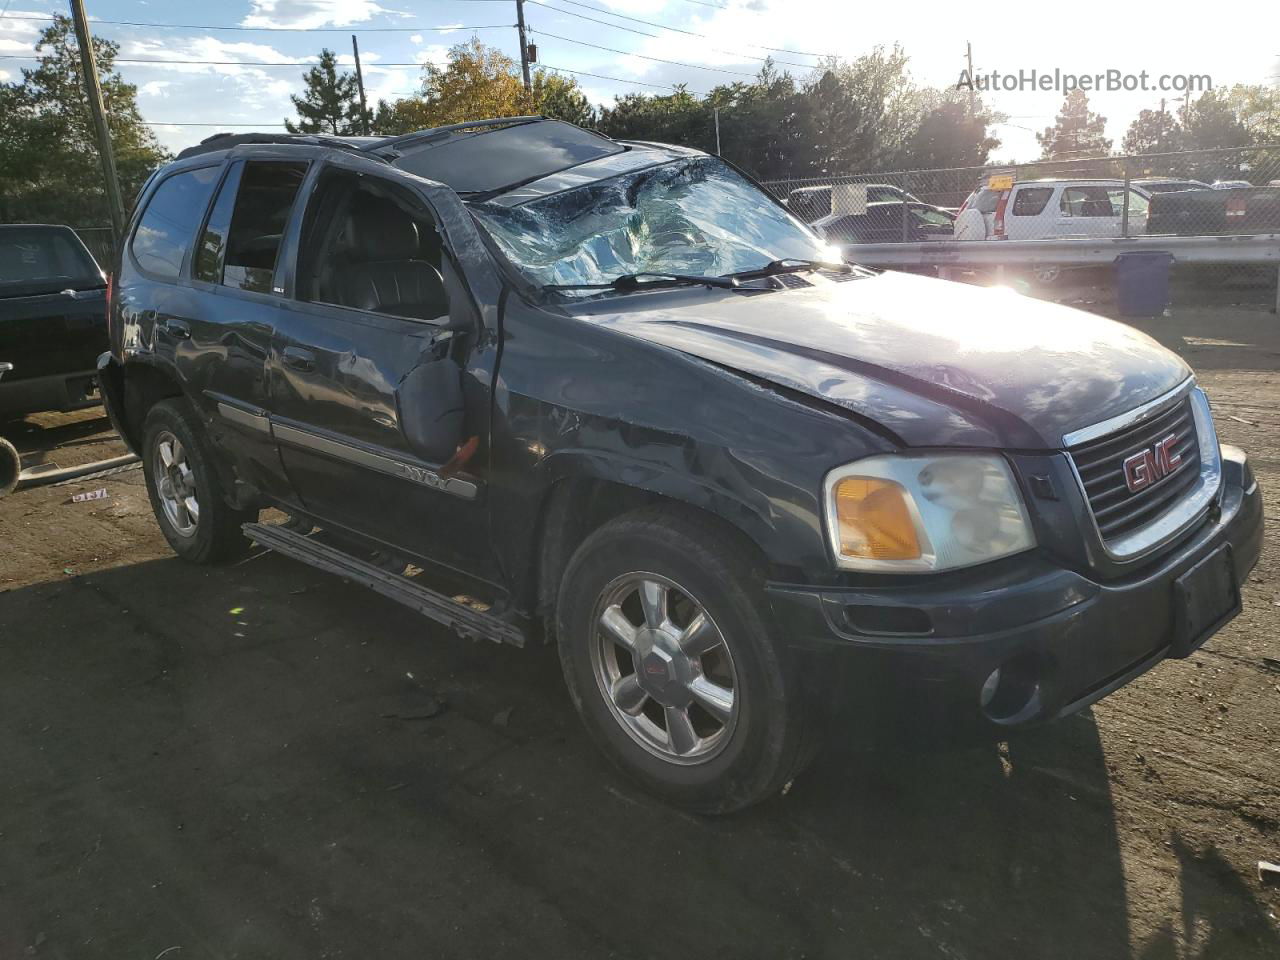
(89, 67)
(717, 112)
(524, 46)
(968, 55)
(364, 108)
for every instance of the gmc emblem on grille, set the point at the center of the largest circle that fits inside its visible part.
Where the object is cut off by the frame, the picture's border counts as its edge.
(1145, 467)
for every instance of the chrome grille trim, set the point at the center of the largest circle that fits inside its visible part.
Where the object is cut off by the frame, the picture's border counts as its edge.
(1174, 503)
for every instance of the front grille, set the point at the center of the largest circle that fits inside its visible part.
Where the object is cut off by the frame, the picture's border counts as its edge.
(1100, 464)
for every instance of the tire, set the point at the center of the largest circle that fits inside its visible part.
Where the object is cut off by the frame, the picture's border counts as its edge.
(188, 497)
(722, 760)
(10, 467)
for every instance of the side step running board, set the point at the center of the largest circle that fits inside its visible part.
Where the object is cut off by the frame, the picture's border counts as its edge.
(464, 620)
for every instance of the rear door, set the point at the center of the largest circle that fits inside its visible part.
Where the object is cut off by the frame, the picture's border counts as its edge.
(1028, 212)
(1088, 210)
(234, 267)
(380, 371)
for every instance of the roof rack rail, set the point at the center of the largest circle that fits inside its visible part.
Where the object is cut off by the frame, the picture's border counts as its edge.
(418, 136)
(228, 141)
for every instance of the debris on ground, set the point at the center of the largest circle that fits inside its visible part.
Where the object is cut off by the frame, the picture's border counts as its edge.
(503, 717)
(412, 705)
(99, 494)
(1268, 872)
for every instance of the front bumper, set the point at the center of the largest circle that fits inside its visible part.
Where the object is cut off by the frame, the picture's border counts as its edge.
(917, 654)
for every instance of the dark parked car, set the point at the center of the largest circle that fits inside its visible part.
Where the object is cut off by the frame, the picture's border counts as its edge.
(811, 204)
(1237, 210)
(882, 223)
(53, 319)
(616, 390)
(1169, 185)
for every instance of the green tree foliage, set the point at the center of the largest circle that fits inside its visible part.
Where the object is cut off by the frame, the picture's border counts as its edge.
(1077, 132)
(330, 102)
(49, 163)
(948, 134)
(1154, 131)
(864, 114)
(477, 82)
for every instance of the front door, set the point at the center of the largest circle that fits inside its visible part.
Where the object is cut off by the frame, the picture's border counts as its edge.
(377, 418)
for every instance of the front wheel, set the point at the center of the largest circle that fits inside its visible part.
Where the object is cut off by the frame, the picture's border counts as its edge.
(185, 489)
(666, 647)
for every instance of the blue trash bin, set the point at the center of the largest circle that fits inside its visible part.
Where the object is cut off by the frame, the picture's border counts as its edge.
(1142, 283)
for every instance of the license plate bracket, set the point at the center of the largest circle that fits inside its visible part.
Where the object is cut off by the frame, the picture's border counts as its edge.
(1205, 599)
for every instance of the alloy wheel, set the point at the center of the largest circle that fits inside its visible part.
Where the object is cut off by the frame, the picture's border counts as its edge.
(176, 484)
(664, 668)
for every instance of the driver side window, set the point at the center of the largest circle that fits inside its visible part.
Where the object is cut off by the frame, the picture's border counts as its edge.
(367, 245)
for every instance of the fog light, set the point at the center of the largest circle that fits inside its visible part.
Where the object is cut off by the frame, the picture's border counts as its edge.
(1011, 693)
(989, 688)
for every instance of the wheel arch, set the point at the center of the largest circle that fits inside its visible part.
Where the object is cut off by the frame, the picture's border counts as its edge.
(129, 392)
(581, 497)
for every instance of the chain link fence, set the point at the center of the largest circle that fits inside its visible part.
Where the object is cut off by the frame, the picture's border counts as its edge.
(101, 243)
(1193, 193)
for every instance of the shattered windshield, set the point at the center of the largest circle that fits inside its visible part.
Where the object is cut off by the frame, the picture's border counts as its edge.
(692, 216)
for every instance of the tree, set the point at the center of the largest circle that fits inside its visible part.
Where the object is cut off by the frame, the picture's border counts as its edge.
(558, 97)
(1154, 131)
(1212, 122)
(49, 162)
(1077, 132)
(949, 134)
(330, 103)
(479, 82)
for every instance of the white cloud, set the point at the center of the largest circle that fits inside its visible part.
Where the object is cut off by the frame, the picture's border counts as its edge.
(446, 28)
(416, 38)
(155, 88)
(436, 53)
(310, 14)
(18, 37)
(243, 90)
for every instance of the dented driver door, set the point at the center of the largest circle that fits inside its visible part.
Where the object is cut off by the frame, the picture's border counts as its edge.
(378, 402)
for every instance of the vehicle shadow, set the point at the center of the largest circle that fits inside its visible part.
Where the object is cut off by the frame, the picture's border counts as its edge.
(253, 760)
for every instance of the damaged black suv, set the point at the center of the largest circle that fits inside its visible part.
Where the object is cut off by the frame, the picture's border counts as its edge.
(623, 400)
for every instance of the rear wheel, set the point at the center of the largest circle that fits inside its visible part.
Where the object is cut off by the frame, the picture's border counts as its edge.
(10, 467)
(668, 655)
(185, 490)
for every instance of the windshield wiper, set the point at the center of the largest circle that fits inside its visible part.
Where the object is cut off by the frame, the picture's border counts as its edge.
(629, 282)
(791, 265)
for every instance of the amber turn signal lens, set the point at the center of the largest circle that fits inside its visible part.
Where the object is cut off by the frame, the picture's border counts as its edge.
(874, 519)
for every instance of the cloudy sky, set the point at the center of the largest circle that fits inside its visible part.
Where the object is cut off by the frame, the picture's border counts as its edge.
(217, 79)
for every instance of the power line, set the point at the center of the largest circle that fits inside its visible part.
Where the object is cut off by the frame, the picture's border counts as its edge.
(654, 36)
(185, 123)
(221, 63)
(663, 26)
(208, 26)
(642, 56)
(638, 83)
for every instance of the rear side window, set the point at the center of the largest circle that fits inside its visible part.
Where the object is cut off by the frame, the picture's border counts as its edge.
(1030, 201)
(169, 222)
(987, 201)
(263, 203)
(1087, 202)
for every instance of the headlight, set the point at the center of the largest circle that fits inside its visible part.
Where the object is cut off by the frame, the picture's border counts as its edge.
(914, 512)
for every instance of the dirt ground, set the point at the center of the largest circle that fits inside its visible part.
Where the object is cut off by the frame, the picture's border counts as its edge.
(250, 761)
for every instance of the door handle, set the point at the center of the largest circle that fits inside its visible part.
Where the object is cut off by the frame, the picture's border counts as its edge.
(177, 329)
(296, 358)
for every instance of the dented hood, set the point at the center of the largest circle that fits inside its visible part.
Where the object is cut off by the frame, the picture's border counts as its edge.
(936, 363)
